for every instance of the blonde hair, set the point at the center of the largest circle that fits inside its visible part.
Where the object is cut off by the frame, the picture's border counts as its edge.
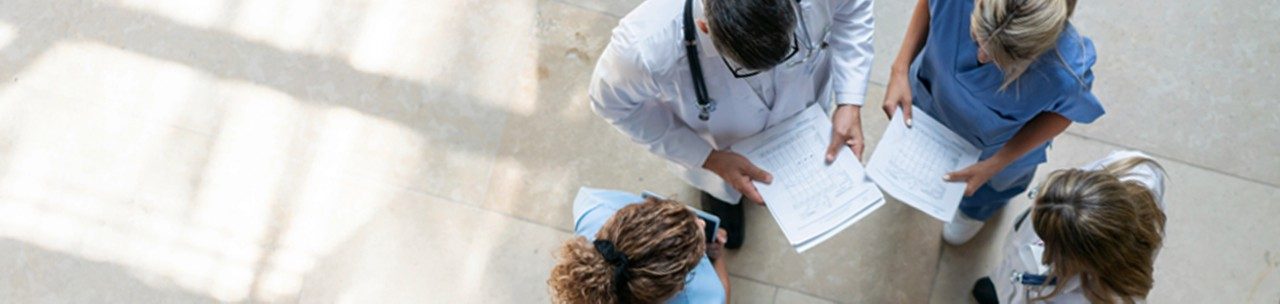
(1016, 32)
(1102, 229)
(662, 244)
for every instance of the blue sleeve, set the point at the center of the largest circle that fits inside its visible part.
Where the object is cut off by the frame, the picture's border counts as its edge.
(1081, 106)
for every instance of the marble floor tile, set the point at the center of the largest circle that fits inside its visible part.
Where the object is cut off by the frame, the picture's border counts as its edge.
(868, 262)
(791, 296)
(1211, 103)
(422, 248)
(748, 291)
(32, 274)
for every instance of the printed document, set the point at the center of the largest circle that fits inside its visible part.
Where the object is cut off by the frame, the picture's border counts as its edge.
(909, 164)
(810, 199)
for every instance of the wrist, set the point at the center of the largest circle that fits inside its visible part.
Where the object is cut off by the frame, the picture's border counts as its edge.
(711, 159)
(899, 69)
(706, 162)
(1001, 159)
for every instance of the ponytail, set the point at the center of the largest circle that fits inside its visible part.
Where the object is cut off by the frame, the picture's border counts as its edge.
(1100, 229)
(642, 254)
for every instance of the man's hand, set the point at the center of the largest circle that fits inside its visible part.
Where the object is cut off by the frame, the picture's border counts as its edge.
(738, 172)
(846, 130)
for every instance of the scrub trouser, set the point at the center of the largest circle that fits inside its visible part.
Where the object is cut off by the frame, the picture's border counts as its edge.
(987, 200)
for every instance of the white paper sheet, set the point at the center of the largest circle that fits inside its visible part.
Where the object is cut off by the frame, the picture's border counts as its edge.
(909, 164)
(810, 199)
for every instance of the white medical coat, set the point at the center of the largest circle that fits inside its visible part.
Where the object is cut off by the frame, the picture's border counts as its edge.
(642, 83)
(1020, 257)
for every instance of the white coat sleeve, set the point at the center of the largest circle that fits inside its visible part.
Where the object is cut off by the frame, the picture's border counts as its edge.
(851, 38)
(624, 93)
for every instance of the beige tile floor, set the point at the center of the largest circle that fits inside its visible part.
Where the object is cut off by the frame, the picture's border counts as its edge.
(380, 151)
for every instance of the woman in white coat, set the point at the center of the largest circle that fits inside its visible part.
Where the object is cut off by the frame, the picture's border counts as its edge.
(1091, 236)
(688, 78)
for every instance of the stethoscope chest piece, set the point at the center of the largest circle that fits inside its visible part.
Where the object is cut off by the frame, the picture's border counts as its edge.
(704, 110)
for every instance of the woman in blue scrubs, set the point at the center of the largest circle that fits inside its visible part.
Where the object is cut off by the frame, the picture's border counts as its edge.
(633, 250)
(1008, 76)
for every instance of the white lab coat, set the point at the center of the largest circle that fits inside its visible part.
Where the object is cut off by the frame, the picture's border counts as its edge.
(1023, 249)
(642, 83)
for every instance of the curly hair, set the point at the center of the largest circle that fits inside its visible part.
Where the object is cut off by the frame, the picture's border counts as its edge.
(1102, 229)
(661, 241)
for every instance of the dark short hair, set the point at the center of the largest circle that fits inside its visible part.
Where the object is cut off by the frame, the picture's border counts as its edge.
(753, 33)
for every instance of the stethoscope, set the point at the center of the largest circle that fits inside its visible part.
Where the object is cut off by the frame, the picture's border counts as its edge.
(1029, 278)
(706, 105)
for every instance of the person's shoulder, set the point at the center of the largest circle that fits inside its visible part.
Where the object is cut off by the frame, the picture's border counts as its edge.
(1127, 154)
(1149, 174)
(650, 35)
(593, 207)
(1070, 62)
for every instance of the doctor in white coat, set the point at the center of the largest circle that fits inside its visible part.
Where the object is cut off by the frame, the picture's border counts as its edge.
(688, 78)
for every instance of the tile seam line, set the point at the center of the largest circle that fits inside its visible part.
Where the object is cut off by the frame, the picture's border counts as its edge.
(481, 209)
(937, 270)
(774, 299)
(579, 6)
(1175, 159)
(778, 287)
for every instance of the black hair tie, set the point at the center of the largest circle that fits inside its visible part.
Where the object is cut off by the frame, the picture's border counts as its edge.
(619, 261)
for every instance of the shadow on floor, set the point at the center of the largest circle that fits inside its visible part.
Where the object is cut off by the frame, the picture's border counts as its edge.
(30, 267)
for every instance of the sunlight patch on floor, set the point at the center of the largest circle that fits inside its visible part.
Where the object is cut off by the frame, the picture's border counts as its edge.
(95, 177)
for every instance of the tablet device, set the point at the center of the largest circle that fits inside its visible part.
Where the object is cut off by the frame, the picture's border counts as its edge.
(713, 223)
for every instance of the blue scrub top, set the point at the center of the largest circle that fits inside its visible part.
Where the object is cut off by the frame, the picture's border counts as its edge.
(593, 207)
(949, 84)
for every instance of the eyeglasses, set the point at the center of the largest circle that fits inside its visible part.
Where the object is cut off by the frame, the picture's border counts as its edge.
(742, 72)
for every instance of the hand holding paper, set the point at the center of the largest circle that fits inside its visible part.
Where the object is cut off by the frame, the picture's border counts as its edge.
(739, 172)
(811, 199)
(846, 131)
(974, 176)
(909, 162)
